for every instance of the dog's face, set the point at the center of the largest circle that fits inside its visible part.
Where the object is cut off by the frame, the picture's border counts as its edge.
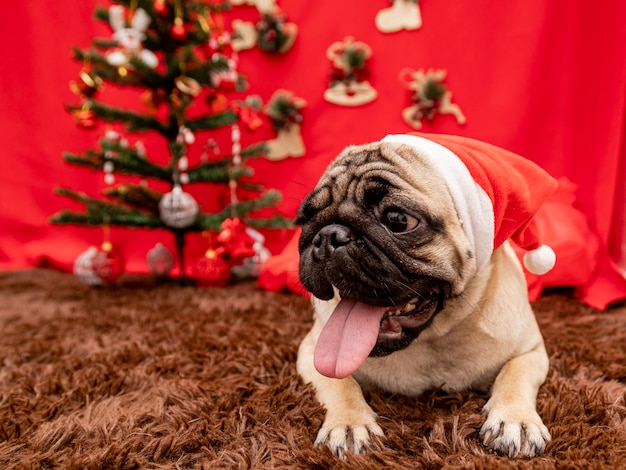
(381, 229)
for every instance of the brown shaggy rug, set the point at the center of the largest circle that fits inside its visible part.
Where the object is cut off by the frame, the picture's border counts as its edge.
(149, 375)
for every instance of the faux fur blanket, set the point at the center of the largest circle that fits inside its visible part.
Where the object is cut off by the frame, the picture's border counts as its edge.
(147, 375)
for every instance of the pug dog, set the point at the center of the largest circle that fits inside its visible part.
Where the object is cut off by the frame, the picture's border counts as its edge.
(414, 288)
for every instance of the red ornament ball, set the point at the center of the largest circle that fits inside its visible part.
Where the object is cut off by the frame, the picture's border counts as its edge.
(108, 263)
(178, 30)
(211, 270)
(161, 7)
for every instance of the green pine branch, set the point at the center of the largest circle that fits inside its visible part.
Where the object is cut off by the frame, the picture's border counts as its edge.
(98, 211)
(134, 122)
(277, 221)
(138, 196)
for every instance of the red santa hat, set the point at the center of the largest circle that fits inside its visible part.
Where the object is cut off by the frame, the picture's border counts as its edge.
(496, 193)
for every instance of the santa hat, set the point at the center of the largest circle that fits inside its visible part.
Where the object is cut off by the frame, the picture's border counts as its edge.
(496, 193)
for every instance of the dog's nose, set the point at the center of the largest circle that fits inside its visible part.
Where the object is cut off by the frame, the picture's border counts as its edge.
(329, 239)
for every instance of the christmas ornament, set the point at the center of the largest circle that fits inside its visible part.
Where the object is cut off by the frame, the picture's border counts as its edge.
(224, 78)
(160, 259)
(160, 7)
(129, 39)
(85, 117)
(210, 144)
(108, 263)
(349, 85)
(264, 6)
(496, 194)
(217, 103)
(179, 32)
(153, 98)
(211, 270)
(87, 85)
(84, 270)
(220, 41)
(244, 35)
(403, 14)
(188, 85)
(247, 111)
(234, 242)
(251, 266)
(429, 96)
(275, 34)
(284, 111)
(177, 208)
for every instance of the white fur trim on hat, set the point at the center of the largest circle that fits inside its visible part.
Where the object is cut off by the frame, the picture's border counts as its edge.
(473, 205)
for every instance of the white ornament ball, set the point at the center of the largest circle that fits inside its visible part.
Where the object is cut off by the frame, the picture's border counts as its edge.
(160, 259)
(177, 208)
(83, 268)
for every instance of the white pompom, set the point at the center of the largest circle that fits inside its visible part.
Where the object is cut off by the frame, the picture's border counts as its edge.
(540, 260)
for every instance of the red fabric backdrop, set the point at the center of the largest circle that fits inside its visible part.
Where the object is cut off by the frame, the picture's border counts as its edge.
(545, 79)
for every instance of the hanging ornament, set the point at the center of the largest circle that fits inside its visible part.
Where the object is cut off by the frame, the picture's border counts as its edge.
(248, 112)
(84, 117)
(84, 270)
(108, 263)
(403, 14)
(87, 84)
(210, 144)
(177, 208)
(251, 266)
(244, 35)
(160, 7)
(429, 97)
(153, 98)
(178, 29)
(220, 41)
(275, 34)
(211, 270)
(217, 103)
(129, 39)
(188, 85)
(224, 77)
(284, 111)
(349, 85)
(234, 242)
(161, 260)
(264, 6)
(179, 32)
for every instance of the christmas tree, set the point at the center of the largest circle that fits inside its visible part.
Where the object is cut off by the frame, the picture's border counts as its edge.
(177, 54)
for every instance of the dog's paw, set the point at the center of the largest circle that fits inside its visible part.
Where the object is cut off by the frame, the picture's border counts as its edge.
(342, 438)
(515, 433)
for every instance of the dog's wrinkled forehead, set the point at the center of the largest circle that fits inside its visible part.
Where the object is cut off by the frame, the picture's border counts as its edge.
(364, 174)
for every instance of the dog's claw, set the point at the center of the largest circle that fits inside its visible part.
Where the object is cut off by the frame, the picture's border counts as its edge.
(525, 436)
(354, 438)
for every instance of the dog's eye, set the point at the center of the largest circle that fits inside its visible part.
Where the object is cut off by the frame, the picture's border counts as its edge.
(398, 221)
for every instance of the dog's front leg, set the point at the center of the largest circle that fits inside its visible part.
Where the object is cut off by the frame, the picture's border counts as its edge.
(513, 426)
(349, 422)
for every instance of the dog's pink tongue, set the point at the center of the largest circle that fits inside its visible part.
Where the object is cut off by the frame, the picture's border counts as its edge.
(347, 338)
